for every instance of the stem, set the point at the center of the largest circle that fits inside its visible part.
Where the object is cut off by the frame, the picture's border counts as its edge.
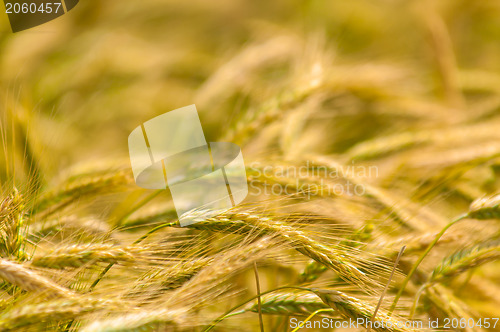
(145, 236)
(420, 259)
(101, 275)
(138, 206)
(396, 263)
(417, 298)
(258, 298)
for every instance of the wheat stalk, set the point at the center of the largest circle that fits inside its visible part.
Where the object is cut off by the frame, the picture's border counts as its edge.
(86, 186)
(383, 146)
(352, 308)
(288, 304)
(12, 211)
(485, 208)
(140, 321)
(194, 292)
(78, 255)
(312, 271)
(208, 279)
(447, 303)
(466, 259)
(55, 310)
(70, 225)
(339, 259)
(29, 280)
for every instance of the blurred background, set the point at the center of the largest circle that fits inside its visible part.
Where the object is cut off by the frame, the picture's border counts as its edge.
(82, 82)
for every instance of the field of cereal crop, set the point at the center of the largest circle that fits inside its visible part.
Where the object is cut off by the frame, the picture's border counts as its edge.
(370, 132)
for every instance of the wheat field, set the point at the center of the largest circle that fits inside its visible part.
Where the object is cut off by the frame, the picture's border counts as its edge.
(370, 132)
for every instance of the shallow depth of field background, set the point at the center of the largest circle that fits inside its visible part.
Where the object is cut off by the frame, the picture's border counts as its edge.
(87, 79)
(409, 87)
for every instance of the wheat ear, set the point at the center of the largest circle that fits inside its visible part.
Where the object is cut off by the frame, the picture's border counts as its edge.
(485, 208)
(288, 304)
(335, 257)
(56, 310)
(141, 321)
(78, 255)
(353, 308)
(29, 280)
(466, 259)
